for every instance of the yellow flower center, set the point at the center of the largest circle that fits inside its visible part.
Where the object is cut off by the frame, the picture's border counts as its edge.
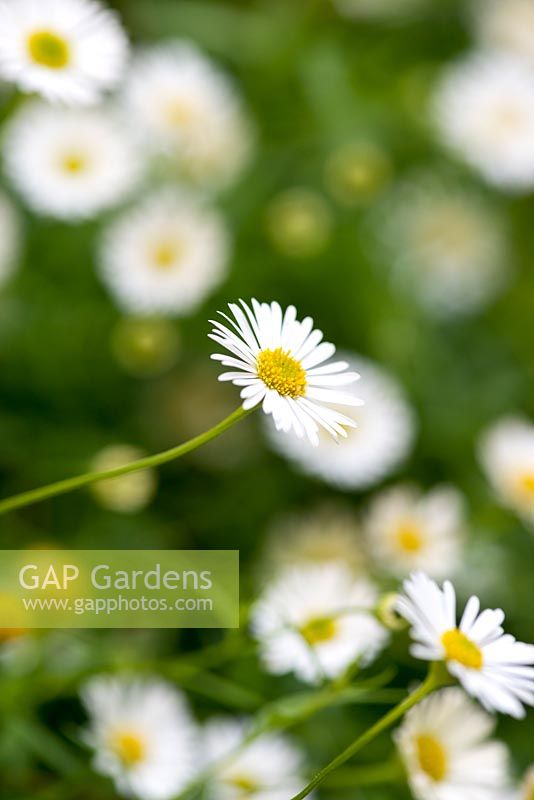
(245, 785)
(166, 254)
(129, 747)
(318, 630)
(409, 537)
(48, 49)
(74, 163)
(281, 372)
(526, 482)
(432, 757)
(178, 113)
(461, 649)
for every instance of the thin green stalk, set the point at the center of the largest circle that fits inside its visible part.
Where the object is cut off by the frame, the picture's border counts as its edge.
(435, 679)
(69, 484)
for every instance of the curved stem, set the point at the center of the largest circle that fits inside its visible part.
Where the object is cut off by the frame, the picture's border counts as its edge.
(434, 680)
(69, 484)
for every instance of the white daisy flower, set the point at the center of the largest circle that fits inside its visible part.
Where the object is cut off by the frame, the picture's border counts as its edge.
(484, 110)
(507, 454)
(165, 255)
(491, 665)
(407, 530)
(317, 620)
(445, 747)
(280, 363)
(9, 238)
(143, 736)
(268, 768)
(188, 109)
(70, 164)
(70, 51)
(446, 242)
(380, 441)
(507, 27)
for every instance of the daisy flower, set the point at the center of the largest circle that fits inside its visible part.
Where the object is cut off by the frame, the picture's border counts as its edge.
(505, 27)
(445, 747)
(70, 51)
(189, 110)
(143, 736)
(317, 620)
(380, 440)
(408, 530)
(9, 238)
(506, 452)
(127, 493)
(484, 111)
(70, 164)
(446, 242)
(491, 665)
(268, 768)
(165, 255)
(280, 363)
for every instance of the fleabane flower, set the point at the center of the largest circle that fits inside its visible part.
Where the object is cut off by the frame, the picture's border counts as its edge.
(491, 665)
(9, 238)
(142, 734)
(269, 768)
(280, 363)
(317, 620)
(446, 750)
(408, 530)
(506, 452)
(69, 51)
(70, 163)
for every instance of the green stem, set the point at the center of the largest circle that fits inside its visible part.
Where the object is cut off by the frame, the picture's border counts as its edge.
(434, 680)
(68, 485)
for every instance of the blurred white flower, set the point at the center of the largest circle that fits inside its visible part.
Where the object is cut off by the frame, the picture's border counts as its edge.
(506, 452)
(381, 440)
(317, 620)
(446, 242)
(189, 109)
(408, 530)
(280, 362)
(505, 26)
(378, 9)
(269, 768)
(445, 746)
(165, 255)
(299, 222)
(491, 665)
(127, 493)
(70, 51)
(9, 238)
(143, 736)
(484, 111)
(70, 164)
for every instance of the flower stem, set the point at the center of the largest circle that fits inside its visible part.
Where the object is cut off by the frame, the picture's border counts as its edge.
(434, 680)
(69, 484)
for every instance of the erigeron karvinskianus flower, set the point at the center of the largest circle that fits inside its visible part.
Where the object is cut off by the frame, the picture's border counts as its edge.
(280, 363)
(316, 621)
(70, 51)
(491, 665)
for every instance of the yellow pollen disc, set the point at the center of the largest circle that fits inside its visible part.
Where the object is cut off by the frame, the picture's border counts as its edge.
(48, 49)
(526, 482)
(178, 113)
(74, 163)
(432, 757)
(281, 372)
(319, 630)
(129, 747)
(166, 254)
(461, 649)
(409, 537)
(245, 784)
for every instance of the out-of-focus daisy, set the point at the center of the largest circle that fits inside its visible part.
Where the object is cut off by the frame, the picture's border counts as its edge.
(70, 51)
(9, 238)
(407, 530)
(380, 441)
(445, 746)
(165, 255)
(506, 27)
(491, 665)
(268, 768)
(507, 455)
(447, 243)
(299, 223)
(357, 172)
(145, 346)
(317, 620)
(143, 736)
(378, 9)
(70, 164)
(188, 109)
(127, 493)
(484, 110)
(280, 362)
